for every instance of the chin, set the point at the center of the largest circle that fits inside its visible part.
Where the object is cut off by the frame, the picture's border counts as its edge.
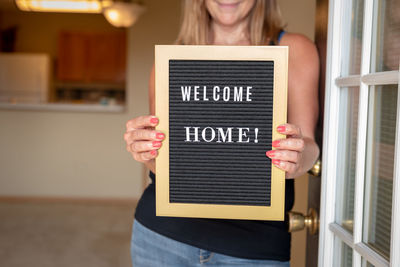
(229, 12)
(227, 20)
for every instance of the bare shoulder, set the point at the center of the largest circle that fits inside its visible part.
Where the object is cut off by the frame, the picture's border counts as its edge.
(299, 45)
(297, 40)
(303, 79)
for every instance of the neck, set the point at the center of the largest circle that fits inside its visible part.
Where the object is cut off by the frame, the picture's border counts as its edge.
(237, 34)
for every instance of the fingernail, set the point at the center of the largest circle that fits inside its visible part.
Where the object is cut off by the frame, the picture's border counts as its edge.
(270, 153)
(276, 161)
(281, 128)
(276, 143)
(153, 152)
(160, 136)
(156, 143)
(154, 120)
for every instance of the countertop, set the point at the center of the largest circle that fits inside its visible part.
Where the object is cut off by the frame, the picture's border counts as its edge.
(63, 107)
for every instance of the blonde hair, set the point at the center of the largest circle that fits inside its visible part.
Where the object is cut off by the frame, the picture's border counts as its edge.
(265, 23)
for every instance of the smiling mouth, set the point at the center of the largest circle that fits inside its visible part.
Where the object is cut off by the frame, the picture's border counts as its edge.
(228, 5)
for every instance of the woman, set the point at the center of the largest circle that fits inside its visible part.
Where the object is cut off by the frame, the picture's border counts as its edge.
(164, 241)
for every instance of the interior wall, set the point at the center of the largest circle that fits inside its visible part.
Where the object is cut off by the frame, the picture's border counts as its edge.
(299, 16)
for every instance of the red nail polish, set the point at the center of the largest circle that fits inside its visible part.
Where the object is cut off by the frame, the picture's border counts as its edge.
(160, 136)
(276, 143)
(154, 120)
(156, 143)
(153, 152)
(281, 129)
(276, 161)
(270, 153)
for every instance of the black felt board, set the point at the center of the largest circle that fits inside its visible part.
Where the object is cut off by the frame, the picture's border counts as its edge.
(220, 172)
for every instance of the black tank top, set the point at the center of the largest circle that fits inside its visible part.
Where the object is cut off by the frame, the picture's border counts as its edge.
(249, 239)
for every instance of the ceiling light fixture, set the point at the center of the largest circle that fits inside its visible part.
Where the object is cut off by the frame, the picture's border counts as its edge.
(123, 14)
(117, 13)
(75, 6)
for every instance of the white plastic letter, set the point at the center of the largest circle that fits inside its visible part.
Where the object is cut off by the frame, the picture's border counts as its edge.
(186, 93)
(195, 134)
(205, 93)
(248, 94)
(196, 93)
(227, 92)
(238, 93)
(215, 90)
(243, 133)
(203, 134)
(223, 136)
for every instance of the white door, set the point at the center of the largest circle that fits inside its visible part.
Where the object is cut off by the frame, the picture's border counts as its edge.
(360, 191)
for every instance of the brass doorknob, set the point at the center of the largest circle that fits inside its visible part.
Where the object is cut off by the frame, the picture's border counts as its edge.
(316, 169)
(298, 221)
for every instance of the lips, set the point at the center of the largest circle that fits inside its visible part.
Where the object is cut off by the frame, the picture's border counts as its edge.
(228, 4)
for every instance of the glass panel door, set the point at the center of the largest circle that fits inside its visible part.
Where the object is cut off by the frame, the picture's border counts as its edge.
(360, 192)
(347, 164)
(379, 175)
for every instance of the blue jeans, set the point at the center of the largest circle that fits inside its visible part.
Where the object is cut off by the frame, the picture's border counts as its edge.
(150, 249)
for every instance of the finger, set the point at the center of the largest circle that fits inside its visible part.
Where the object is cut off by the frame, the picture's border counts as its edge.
(295, 144)
(144, 146)
(145, 156)
(286, 155)
(286, 166)
(143, 134)
(289, 129)
(141, 122)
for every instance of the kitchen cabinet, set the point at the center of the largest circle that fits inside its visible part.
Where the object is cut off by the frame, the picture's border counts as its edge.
(92, 57)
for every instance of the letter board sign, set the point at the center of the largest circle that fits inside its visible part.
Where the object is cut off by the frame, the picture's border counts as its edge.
(219, 107)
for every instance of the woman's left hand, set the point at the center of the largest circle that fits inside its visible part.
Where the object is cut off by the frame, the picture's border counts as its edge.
(288, 154)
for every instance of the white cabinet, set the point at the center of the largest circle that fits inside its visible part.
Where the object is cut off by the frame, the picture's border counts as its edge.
(24, 78)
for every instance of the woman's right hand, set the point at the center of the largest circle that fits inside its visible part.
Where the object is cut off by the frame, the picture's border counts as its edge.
(142, 141)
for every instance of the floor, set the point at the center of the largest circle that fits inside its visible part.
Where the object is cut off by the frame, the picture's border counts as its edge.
(65, 234)
(45, 234)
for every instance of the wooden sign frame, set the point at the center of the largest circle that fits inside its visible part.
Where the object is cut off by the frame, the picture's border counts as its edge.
(165, 53)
